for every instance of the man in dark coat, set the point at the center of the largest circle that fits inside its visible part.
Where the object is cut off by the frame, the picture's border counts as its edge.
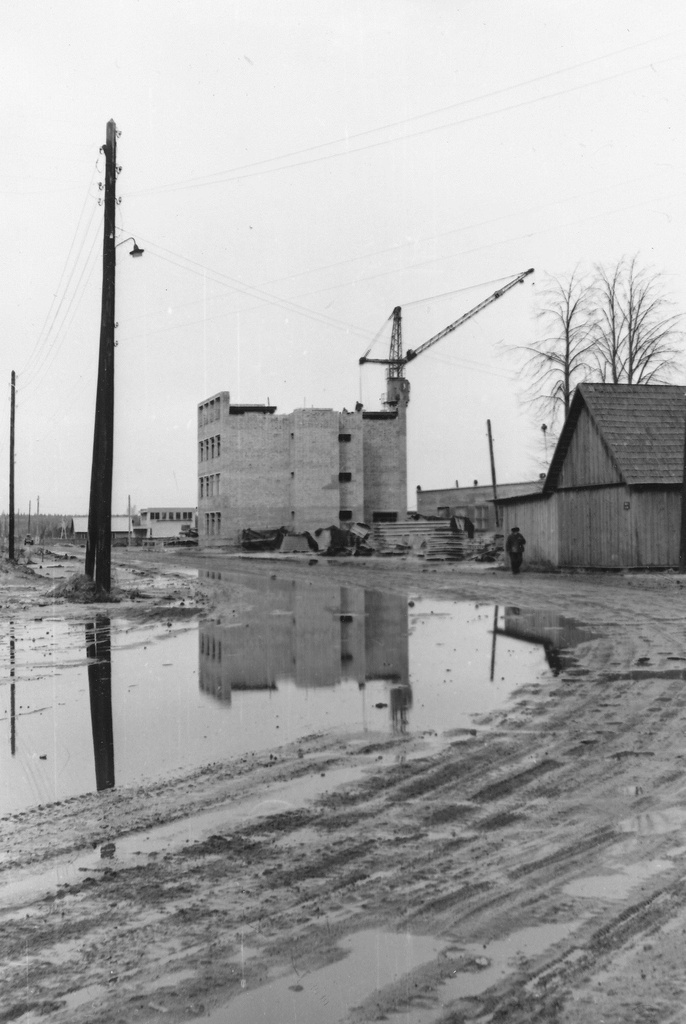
(515, 548)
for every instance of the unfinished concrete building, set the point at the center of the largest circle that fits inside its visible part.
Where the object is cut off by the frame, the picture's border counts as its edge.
(306, 469)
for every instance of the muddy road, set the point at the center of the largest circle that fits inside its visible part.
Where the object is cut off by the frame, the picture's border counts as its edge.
(528, 867)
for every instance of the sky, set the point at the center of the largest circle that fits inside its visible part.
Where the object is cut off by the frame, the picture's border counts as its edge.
(294, 169)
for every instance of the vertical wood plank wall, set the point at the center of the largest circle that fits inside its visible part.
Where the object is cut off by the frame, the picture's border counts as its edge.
(598, 530)
(592, 528)
(537, 519)
(587, 461)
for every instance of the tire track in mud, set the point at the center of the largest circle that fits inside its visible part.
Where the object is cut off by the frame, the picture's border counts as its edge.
(537, 995)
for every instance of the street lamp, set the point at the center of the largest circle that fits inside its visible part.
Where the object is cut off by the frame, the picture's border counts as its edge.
(136, 251)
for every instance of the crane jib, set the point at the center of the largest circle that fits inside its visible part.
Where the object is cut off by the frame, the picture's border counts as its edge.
(398, 360)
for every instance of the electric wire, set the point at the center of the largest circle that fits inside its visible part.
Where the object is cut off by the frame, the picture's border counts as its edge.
(186, 324)
(360, 278)
(524, 235)
(202, 271)
(460, 362)
(37, 374)
(413, 135)
(62, 285)
(262, 166)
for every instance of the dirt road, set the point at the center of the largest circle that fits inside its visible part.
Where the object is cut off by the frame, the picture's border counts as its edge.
(539, 865)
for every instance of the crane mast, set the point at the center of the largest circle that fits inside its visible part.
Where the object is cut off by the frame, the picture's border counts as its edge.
(396, 363)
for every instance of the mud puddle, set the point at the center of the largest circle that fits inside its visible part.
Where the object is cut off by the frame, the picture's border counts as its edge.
(372, 960)
(89, 706)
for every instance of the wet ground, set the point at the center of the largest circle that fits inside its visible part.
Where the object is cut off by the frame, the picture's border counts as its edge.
(91, 703)
(344, 791)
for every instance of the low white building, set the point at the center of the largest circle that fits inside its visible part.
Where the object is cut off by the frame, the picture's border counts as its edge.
(119, 526)
(163, 522)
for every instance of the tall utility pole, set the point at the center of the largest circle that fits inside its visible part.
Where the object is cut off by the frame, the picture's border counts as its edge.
(13, 389)
(495, 486)
(98, 547)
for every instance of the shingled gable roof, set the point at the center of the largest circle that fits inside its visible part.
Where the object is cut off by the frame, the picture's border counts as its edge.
(642, 426)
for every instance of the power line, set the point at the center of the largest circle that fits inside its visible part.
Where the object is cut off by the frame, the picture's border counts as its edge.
(221, 278)
(263, 166)
(397, 248)
(62, 285)
(35, 375)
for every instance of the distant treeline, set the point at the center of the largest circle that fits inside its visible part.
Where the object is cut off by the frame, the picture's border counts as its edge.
(40, 528)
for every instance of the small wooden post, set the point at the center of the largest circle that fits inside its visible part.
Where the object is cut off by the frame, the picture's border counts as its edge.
(495, 486)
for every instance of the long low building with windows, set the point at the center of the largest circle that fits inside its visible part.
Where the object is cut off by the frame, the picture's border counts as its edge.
(164, 521)
(301, 470)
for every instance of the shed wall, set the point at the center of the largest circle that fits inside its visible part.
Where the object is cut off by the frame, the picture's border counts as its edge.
(657, 525)
(619, 527)
(538, 521)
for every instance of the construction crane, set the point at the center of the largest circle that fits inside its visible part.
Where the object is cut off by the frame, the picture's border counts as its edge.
(396, 362)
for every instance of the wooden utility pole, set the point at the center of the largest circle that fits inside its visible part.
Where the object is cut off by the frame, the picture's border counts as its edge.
(98, 546)
(495, 486)
(13, 389)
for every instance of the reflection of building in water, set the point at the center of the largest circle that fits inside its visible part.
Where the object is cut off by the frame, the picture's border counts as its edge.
(554, 632)
(401, 702)
(100, 687)
(312, 636)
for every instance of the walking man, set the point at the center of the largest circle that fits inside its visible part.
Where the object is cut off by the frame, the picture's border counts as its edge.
(515, 548)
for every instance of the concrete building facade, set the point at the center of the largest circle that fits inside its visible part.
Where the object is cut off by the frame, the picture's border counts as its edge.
(302, 470)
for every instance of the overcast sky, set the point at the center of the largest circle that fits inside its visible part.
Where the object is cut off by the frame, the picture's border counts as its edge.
(294, 170)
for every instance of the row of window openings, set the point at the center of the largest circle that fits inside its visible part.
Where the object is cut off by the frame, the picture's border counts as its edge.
(171, 515)
(209, 412)
(209, 485)
(213, 524)
(210, 647)
(210, 448)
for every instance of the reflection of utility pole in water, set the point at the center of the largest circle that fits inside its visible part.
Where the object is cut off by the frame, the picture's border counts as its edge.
(13, 707)
(100, 686)
(495, 633)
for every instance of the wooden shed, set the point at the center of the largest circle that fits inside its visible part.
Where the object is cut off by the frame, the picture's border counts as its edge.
(612, 495)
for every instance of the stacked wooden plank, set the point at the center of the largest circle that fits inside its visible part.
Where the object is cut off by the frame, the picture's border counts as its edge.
(433, 540)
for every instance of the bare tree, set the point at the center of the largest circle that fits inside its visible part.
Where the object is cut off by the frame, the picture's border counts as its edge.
(562, 356)
(636, 334)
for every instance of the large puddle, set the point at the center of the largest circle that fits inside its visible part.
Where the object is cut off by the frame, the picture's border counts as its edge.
(374, 960)
(91, 705)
